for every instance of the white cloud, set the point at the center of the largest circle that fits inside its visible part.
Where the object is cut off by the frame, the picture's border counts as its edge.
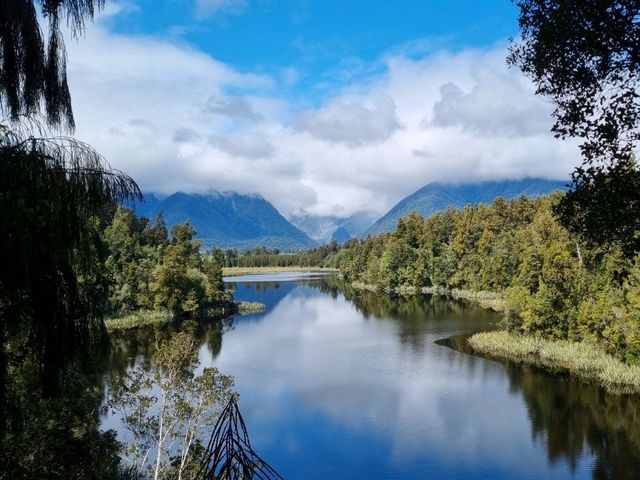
(163, 112)
(352, 123)
(499, 103)
(233, 107)
(244, 144)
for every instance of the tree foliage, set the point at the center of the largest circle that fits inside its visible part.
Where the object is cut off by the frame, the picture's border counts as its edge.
(150, 271)
(264, 257)
(167, 407)
(33, 71)
(584, 55)
(554, 284)
(54, 192)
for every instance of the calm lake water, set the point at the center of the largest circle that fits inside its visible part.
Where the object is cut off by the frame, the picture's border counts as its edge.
(337, 385)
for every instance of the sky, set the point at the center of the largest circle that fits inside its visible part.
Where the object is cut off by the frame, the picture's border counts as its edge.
(322, 107)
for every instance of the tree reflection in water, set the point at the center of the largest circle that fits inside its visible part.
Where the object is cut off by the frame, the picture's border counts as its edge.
(576, 419)
(572, 419)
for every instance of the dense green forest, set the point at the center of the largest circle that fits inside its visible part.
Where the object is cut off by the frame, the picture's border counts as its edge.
(148, 269)
(554, 284)
(264, 257)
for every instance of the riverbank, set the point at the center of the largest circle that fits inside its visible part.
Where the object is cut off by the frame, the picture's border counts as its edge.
(581, 361)
(489, 300)
(236, 271)
(245, 308)
(145, 318)
(141, 318)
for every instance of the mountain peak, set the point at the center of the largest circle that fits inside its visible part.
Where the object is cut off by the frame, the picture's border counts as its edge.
(437, 196)
(228, 220)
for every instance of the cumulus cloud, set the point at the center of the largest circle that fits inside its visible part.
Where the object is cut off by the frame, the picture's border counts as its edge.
(163, 112)
(233, 107)
(499, 103)
(351, 123)
(244, 144)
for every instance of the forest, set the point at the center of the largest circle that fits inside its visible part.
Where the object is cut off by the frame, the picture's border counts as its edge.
(148, 269)
(555, 284)
(264, 257)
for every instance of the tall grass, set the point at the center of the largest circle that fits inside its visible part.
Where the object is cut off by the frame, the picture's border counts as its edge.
(137, 319)
(250, 307)
(581, 361)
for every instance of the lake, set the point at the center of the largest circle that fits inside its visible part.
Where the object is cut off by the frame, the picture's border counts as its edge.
(336, 384)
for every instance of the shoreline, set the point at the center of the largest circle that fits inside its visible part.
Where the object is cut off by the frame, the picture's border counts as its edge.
(580, 361)
(485, 299)
(146, 318)
(237, 271)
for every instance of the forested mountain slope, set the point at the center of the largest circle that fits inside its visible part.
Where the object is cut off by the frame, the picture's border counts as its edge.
(437, 196)
(228, 220)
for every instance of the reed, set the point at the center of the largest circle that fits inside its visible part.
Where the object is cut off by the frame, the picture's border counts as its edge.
(581, 361)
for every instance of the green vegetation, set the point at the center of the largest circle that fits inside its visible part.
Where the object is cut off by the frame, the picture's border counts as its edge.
(553, 284)
(137, 319)
(54, 192)
(250, 307)
(581, 361)
(263, 257)
(166, 407)
(148, 271)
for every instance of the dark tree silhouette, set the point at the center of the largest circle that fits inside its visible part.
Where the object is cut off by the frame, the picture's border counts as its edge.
(229, 455)
(53, 192)
(33, 71)
(584, 55)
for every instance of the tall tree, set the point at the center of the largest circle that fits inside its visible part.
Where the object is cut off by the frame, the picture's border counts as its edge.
(584, 55)
(53, 192)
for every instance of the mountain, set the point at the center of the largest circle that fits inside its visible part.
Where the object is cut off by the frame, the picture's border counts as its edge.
(228, 220)
(324, 229)
(438, 196)
(340, 235)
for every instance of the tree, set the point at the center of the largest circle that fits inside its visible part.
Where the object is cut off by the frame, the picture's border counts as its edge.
(52, 279)
(585, 56)
(54, 194)
(167, 408)
(33, 71)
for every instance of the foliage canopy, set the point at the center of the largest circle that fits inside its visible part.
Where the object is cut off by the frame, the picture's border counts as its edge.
(584, 55)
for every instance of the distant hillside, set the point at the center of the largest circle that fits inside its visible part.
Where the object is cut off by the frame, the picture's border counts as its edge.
(324, 229)
(340, 235)
(438, 196)
(228, 220)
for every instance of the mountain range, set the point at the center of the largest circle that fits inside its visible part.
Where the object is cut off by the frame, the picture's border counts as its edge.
(324, 229)
(233, 220)
(438, 196)
(228, 220)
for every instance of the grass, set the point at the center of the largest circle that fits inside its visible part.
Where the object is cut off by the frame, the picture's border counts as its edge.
(235, 271)
(137, 319)
(581, 361)
(250, 307)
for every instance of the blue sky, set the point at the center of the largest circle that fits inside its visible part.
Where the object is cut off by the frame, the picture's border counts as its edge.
(322, 107)
(320, 44)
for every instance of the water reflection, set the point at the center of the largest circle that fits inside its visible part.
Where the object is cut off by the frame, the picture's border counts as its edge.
(340, 384)
(574, 420)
